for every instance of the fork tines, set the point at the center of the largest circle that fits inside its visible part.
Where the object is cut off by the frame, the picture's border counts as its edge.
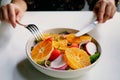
(35, 31)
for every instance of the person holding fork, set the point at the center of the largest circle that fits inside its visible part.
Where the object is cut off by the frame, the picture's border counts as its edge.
(14, 11)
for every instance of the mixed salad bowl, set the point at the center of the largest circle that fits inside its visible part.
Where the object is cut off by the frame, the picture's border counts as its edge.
(61, 54)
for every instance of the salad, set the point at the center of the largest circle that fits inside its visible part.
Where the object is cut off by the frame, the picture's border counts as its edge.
(64, 51)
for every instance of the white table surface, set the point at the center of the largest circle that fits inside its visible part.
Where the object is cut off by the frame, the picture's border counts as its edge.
(15, 66)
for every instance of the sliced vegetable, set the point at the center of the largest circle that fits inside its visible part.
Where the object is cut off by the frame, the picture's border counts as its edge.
(65, 51)
(94, 57)
(55, 53)
(59, 63)
(91, 48)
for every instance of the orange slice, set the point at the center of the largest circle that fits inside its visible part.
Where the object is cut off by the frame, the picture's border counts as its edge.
(76, 58)
(42, 51)
(70, 37)
(85, 38)
(50, 35)
(60, 44)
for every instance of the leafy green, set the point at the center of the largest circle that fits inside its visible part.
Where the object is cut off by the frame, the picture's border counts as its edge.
(94, 57)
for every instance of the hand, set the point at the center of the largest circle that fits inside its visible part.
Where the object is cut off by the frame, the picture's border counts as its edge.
(104, 10)
(13, 12)
(10, 13)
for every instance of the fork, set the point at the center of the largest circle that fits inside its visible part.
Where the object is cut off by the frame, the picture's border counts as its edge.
(34, 30)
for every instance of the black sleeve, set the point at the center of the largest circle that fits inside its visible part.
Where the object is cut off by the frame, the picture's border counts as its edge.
(30, 5)
(54, 5)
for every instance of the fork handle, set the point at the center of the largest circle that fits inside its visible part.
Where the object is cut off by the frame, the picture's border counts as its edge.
(21, 24)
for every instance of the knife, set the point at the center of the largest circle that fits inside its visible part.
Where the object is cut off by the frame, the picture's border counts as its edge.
(87, 28)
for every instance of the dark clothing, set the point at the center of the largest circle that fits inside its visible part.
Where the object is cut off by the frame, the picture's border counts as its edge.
(59, 5)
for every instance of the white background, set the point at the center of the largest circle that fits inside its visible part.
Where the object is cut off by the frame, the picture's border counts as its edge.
(15, 66)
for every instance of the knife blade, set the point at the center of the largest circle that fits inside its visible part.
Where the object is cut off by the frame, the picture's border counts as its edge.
(87, 28)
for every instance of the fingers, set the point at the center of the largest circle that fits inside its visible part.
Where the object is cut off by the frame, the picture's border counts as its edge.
(4, 14)
(104, 10)
(101, 12)
(107, 14)
(113, 10)
(0, 14)
(7, 13)
(12, 15)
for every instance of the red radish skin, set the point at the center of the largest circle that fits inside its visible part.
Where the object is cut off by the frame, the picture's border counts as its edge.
(61, 68)
(58, 63)
(82, 43)
(90, 48)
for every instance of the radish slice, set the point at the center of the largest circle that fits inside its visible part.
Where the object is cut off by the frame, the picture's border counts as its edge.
(58, 63)
(91, 48)
(82, 43)
(46, 65)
